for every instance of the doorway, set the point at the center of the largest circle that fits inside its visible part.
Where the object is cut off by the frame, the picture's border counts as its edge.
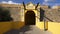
(30, 18)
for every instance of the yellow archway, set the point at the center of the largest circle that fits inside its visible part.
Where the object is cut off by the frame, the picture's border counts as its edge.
(35, 11)
(30, 18)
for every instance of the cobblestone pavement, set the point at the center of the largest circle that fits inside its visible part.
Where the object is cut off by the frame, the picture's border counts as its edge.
(32, 29)
(28, 29)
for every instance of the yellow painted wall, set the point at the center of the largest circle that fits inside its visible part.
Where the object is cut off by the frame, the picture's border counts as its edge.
(35, 11)
(40, 25)
(6, 26)
(53, 27)
(18, 25)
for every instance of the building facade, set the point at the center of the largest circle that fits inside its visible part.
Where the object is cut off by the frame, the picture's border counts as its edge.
(41, 13)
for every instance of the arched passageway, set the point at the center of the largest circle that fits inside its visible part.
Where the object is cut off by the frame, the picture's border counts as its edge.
(30, 18)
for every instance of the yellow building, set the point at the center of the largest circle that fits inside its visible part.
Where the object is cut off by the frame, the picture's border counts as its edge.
(19, 10)
(31, 14)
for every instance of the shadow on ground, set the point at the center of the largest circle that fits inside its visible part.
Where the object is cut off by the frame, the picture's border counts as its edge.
(12, 32)
(25, 29)
(45, 32)
(21, 31)
(29, 29)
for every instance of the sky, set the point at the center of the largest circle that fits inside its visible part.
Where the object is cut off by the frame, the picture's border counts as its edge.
(42, 2)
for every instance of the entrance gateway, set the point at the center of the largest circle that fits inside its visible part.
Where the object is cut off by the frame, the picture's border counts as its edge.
(30, 18)
(30, 14)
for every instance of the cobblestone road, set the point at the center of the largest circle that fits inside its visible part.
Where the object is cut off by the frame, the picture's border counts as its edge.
(32, 29)
(29, 29)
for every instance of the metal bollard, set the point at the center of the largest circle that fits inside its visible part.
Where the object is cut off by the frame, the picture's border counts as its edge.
(46, 25)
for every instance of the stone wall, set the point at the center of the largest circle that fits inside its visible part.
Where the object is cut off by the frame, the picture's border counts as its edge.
(52, 15)
(14, 10)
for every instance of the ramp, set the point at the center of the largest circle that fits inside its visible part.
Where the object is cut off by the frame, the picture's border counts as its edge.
(32, 29)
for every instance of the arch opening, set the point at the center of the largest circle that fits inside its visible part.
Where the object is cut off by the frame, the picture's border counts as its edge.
(30, 18)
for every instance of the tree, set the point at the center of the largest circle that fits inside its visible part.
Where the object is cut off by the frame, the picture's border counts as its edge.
(5, 14)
